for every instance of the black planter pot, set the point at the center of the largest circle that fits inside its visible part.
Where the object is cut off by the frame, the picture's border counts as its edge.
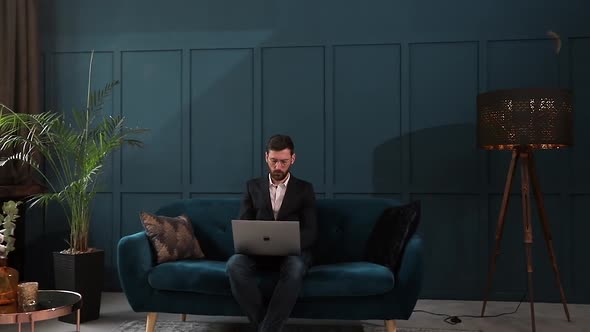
(82, 273)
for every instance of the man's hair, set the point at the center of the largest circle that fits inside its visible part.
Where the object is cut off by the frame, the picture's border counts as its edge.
(280, 142)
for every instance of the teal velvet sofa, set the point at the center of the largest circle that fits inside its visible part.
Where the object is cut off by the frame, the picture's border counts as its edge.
(340, 285)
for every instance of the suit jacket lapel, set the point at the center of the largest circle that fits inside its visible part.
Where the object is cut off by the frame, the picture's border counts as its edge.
(264, 189)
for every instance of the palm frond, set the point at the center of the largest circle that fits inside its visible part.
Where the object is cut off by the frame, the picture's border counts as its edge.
(44, 198)
(96, 98)
(19, 156)
(134, 142)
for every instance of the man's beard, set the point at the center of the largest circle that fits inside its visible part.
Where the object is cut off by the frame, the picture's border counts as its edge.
(279, 175)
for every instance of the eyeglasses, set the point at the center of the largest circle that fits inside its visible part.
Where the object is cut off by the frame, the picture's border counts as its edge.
(282, 162)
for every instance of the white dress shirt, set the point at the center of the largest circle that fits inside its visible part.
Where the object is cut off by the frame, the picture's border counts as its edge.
(277, 193)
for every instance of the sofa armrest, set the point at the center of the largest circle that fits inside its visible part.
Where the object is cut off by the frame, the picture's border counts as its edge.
(134, 261)
(410, 275)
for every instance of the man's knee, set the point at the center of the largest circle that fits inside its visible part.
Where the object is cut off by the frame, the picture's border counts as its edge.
(294, 266)
(237, 263)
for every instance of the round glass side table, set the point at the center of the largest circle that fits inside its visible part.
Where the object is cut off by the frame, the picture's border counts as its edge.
(50, 304)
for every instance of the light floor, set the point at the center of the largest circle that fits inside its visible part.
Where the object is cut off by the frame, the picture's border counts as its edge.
(549, 317)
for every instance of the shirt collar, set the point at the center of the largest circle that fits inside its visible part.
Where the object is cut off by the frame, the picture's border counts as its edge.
(282, 183)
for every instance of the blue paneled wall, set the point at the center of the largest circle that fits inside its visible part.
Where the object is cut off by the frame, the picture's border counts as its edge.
(379, 96)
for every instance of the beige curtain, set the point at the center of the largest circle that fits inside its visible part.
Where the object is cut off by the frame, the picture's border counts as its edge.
(20, 73)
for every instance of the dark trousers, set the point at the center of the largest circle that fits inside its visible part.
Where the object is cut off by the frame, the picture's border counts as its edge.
(242, 271)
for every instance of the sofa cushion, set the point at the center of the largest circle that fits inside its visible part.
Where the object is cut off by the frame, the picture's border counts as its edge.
(171, 237)
(209, 277)
(202, 276)
(391, 233)
(347, 279)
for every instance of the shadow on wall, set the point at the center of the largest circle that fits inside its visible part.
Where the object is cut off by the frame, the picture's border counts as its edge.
(440, 159)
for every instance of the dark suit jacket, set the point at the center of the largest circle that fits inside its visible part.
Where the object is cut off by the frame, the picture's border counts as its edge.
(298, 204)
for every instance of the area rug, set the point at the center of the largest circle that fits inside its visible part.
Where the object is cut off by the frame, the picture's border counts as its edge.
(176, 326)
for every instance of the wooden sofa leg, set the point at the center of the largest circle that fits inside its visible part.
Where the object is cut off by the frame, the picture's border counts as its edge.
(183, 317)
(150, 325)
(390, 326)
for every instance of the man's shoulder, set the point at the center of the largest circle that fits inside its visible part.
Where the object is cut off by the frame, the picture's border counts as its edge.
(256, 181)
(300, 182)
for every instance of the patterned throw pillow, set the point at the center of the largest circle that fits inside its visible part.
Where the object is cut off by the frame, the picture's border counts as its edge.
(391, 233)
(172, 237)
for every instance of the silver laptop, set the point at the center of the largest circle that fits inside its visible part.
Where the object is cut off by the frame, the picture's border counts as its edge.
(266, 237)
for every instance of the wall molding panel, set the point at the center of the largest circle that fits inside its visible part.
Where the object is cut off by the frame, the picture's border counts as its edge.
(384, 107)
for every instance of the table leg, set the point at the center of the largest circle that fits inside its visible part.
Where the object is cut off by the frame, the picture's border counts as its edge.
(32, 326)
(19, 327)
(78, 320)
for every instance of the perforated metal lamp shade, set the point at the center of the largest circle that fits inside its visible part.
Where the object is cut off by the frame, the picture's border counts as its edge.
(535, 118)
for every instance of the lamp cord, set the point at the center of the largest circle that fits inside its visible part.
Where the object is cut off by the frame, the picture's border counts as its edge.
(454, 320)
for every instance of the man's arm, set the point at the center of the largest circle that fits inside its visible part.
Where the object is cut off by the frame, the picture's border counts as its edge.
(308, 221)
(247, 211)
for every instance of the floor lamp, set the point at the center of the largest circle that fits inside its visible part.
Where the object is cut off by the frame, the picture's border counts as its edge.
(523, 120)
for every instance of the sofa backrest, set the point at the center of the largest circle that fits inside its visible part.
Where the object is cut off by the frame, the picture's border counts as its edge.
(211, 220)
(344, 225)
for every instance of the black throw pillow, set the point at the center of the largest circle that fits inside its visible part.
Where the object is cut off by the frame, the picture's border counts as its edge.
(391, 233)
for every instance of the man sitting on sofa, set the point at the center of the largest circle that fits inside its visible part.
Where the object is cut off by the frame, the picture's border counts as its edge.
(278, 196)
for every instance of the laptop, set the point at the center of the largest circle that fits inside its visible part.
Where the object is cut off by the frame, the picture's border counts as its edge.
(266, 237)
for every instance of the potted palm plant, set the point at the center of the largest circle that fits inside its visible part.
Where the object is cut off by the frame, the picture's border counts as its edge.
(73, 150)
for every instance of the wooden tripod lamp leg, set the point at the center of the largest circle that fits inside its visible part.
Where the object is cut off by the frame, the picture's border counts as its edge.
(546, 230)
(500, 227)
(528, 230)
